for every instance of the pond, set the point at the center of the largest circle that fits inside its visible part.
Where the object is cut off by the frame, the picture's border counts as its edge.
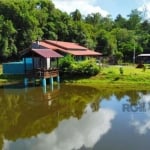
(73, 117)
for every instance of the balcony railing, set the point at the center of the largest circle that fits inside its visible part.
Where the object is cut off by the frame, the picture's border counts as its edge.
(42, 73)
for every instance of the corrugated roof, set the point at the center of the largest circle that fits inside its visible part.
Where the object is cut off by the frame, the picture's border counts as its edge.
(66, 45)
(49, 46)
(142, 55)
(81, 52)
(46, 53)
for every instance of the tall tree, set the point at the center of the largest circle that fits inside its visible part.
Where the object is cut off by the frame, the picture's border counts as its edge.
(120, 22)
(76, 15)
(134, 20)
(106, 43)
(7, 36)
(93, 18)
(28, 17)
(127, 42)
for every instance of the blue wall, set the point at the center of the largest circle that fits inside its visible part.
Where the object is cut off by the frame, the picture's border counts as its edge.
(16, 67)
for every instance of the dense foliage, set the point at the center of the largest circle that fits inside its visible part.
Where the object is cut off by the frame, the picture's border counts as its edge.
(78, 68)
(24, 21)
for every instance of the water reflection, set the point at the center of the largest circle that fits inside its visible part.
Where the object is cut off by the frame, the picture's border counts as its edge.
(71, 133)
(27, 113)
(71, 117)
(142, 126)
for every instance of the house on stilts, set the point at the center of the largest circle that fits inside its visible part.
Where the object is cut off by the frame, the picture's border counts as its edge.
(40, 61)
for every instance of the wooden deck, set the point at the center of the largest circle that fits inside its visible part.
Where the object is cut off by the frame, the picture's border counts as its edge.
(42, 73)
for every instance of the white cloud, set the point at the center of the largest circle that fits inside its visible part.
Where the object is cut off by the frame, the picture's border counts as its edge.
(145, 8)
(71, 133)
(143, 126)
(144, 98)
(85, 6)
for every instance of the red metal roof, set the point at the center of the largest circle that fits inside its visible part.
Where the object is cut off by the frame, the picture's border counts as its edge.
(46, 53)
(49, 46)
(86, 53)
(66, 45)
(81, 52)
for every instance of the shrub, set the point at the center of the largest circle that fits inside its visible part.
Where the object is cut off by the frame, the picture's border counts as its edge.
(70, 66)
(89, 67)
(121, 70)
(65, 63)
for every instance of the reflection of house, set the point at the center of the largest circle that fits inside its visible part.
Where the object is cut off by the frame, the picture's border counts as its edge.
(74, 49)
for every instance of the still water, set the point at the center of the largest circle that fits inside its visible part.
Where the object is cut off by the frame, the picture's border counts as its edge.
(73, 118)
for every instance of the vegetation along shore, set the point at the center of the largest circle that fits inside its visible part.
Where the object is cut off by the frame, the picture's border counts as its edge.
(109, 76)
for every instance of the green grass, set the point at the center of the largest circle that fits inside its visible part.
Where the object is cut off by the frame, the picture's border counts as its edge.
(111, 75)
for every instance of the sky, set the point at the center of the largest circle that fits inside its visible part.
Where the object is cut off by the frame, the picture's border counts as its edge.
(104, 7)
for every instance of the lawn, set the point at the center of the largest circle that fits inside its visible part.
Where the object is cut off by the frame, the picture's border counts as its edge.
(111, 74)
(127, 70)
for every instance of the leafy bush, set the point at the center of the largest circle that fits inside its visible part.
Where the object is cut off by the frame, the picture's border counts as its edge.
(65, 63)
(121, 70)
(70, 66)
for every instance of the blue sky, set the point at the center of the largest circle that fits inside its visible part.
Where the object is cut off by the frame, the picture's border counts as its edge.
(115, 7)
(105, 7)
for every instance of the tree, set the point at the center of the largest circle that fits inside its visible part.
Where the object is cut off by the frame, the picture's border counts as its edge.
(127, 41)
(22, 22)
(28, 18)
(120, 22)
(7, 43)
(145, 26)
(93, 18)
(134, 20)
(106, 23)
(76, 15)
(106, 43)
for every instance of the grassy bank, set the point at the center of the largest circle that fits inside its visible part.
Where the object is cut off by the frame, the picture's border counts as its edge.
(109, 76)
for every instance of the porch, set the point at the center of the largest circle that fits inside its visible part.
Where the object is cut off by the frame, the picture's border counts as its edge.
(42, 73)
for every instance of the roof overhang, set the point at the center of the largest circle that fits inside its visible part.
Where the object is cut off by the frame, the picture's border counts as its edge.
(45, 53)
(144, 55)
(81, 52)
